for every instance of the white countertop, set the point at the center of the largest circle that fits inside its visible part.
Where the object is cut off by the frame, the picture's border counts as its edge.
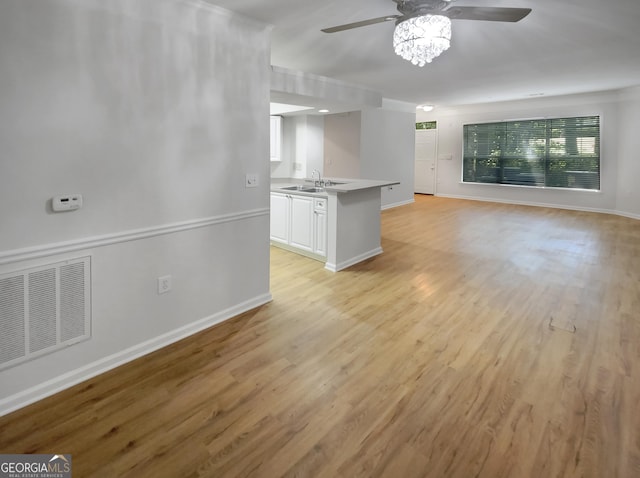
(358, 184)
(347, 185)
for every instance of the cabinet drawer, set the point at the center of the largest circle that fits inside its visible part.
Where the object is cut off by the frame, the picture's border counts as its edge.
(320, 204)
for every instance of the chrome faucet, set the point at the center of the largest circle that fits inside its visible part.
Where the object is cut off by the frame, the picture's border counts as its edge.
(319, 181)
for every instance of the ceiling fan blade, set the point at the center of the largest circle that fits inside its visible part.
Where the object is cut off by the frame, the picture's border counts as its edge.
(491, 14)
(363, 23)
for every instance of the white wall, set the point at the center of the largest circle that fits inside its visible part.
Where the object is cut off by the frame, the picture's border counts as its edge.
(144, 108)
(628, 191)
(342, 145)
(284, 167)
(315, 143)
(302, 147)
(286, 84)
(450, 123)
(299, 148)
(388, 152)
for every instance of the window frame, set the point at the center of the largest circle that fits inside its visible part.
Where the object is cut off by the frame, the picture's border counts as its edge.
(548, 158)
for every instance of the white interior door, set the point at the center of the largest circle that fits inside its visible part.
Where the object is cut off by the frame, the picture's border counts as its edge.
(426, 160)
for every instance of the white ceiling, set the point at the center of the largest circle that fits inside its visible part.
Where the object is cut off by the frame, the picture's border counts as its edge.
(562, 47)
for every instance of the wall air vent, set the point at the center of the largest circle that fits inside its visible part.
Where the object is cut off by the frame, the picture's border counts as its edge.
(44, 309)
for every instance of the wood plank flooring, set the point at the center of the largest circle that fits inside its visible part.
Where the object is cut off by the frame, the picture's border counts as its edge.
(487, 341)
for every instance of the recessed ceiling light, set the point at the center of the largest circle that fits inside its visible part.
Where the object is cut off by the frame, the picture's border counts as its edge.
(425, 107)
(323, 111)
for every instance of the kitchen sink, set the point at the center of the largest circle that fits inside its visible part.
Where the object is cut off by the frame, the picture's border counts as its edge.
(304, 189)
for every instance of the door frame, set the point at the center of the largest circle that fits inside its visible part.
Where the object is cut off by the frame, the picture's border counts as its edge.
(435, 160)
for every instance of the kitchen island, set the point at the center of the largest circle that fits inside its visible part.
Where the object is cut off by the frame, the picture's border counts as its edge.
(345, 214)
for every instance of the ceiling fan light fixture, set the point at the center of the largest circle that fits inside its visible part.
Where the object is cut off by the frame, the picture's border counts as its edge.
(423, 38)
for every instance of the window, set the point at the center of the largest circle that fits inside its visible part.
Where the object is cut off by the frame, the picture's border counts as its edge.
(555, 153)
(426, 125)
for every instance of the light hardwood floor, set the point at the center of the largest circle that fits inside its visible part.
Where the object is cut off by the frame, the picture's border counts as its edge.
(487, 341)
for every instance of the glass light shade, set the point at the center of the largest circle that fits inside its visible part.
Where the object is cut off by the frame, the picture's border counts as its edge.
(421, 39)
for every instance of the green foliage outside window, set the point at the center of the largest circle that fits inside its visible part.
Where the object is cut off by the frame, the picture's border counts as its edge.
(426, 125)
(558, 153)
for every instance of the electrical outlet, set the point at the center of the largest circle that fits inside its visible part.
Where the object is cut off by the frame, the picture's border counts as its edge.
(164, 284)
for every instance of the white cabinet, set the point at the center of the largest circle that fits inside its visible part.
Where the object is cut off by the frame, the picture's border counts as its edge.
(320, 226)
(276, 137)
(299, 222)
(280, 217)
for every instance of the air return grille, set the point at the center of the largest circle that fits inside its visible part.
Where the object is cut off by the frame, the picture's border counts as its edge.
(44, 309)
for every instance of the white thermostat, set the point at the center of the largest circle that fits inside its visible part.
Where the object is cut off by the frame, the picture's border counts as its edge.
(68, 202)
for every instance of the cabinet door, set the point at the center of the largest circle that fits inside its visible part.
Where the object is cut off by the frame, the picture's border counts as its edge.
(302, 222)
(320, 239)
(280, 217)
(276, 137)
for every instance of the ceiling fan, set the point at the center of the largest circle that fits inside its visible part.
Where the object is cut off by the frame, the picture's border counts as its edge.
(423, 27)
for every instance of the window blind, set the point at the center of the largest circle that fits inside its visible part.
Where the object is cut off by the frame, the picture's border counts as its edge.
(558, 153)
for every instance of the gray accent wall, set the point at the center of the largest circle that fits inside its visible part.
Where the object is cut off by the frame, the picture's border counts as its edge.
(388, 148)
(342, 145)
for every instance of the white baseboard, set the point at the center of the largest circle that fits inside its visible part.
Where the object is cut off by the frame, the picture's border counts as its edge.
(69, 379)
(354, 260)
(529, 203)
(536, 204)
(627, 214)
(397, 204)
